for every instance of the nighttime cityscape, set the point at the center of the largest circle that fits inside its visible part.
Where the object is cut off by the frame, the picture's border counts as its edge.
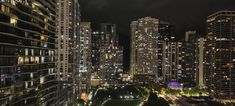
(117, 52)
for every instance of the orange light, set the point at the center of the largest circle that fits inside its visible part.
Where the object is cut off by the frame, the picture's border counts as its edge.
(84, 97)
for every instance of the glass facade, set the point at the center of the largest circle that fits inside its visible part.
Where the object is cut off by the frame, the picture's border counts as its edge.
(220, 55)
(27, 52)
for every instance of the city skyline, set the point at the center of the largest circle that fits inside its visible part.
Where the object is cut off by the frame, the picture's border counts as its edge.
(185, 15)
(117, 53)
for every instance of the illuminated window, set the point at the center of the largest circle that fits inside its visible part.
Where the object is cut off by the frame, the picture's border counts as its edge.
(32, 59)
(26, 85)
(31, 83)
(46, 27)
(36, 59)
(45, 45)
(42, 59)
(45, 20)
(5, 9)
(20, 60)
(31, 75)
(26, 52)
(42, 79)
(40, 52)
(26, 60)
(13, 2)
(42, 37)
(13, 21)
(33, 6)
(32, 52)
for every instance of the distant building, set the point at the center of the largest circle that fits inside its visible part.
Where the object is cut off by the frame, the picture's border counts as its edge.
(190, 36)
(118, 62)
(96, 51)
(189, 59)
(220, 55)
(85, 57)
(172, 59)
(200, 78)
(107, 55)
(149, 38)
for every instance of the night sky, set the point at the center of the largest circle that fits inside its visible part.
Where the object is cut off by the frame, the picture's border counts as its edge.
(184, 14)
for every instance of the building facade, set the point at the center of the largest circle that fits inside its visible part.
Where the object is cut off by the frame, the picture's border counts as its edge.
(96, 46)
(68, 13)
(85, 58)
(28, 53)
(220, 59)
(200, 57)
(172, 59)
(149, 39)
(189, 59)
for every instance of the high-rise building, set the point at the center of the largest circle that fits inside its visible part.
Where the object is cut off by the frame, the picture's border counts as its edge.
(68, 13)
(110, 35)
(148, 38)
(200, 78)
(190, 36)
(118, 61)
(189, 59)
(172, 61)
(85, 58)
(28, 74)
(108, 52)
(96, 54)
(107, 55)
(220, 58)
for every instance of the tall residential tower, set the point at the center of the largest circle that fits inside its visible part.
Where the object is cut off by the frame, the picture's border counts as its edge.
(68, 13)
(28, 53)
(220, 58)
(85, 61)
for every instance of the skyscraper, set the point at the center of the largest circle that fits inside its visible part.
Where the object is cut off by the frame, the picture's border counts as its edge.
(107, 54)
(200, 78)
(220, 58)
(68, 12)
(85, 57)
(148, 38)
(118, 61)
(28, 52)
(189, 58)
(172, 61)
(96, 56)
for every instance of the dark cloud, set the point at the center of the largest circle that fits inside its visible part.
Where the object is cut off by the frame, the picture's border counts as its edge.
(184, 14)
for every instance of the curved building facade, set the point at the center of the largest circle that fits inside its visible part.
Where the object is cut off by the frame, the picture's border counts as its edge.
(28, 53)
